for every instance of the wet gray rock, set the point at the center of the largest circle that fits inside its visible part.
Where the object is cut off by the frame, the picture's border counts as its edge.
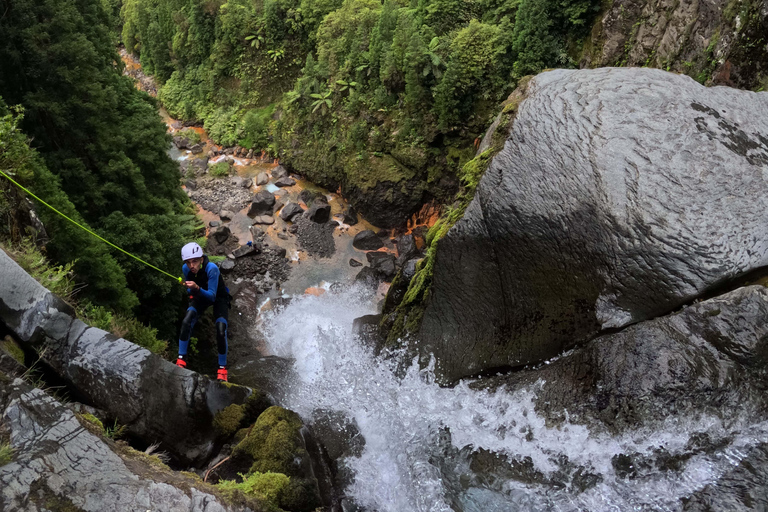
(264, 220)
(226, 215)
(285, 182)
(261, 204)
(307, 196)
(406, 249)
(214, 223)
(354, 263)
(369, 277)
(227, 266)
(620, 194)
(290, 211)
(367, 240)
(221, 234)
(279, 172)
(262, 179)
(60, 465)
(197, 148)
(245, 250)
(319, 212)
(708, 358)
(114, 374)
(350, 217)
(383, 262)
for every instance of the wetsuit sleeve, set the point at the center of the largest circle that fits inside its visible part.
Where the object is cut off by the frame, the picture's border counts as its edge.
(185, 271)
(213, 282)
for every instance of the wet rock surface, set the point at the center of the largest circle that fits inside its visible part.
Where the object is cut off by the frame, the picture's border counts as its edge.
(620, 194)
(59, 464)
(114, 374)
(710, 357)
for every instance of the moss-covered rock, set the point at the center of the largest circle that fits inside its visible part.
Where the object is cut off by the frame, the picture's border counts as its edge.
(227, 421)
(275, 443)
(10, 347)
(93, 419)
(272, 445)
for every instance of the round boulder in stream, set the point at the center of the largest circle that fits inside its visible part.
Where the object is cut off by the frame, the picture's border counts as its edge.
(367, 240)
(261, 204)
(290, 211)
(619, 195)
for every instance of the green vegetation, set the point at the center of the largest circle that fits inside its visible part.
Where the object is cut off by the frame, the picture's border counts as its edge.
(6, 453)
(99, 155)
(10, 347)
(267, 486)
(220, 169)
(275, 445)
(334, 86)
(94, 420)
(227, 421)
(274, 442)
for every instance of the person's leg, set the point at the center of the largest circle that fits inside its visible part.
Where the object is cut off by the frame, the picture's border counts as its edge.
(221, 314)
(187, 325)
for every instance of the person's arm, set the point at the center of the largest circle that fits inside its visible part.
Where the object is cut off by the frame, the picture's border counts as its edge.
(185, 271)
(213, 282)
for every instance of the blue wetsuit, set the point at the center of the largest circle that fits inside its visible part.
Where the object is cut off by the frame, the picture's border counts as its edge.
(212, 292)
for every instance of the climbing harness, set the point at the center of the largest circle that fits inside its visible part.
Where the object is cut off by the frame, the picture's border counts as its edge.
(177, 279)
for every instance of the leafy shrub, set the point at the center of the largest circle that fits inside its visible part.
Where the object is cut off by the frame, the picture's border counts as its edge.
(219, 170)
(122, 326)
(255, 128)
(59, 279)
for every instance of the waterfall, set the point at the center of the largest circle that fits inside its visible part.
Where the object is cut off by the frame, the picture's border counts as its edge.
(420, 438)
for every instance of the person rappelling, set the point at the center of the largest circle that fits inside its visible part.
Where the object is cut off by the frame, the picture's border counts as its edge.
(205, 286)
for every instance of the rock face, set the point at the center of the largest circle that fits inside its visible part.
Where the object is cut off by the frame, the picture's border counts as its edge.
(707, 358)
(261, 204)
(115, 375)
(59, 465)
(619, 195)
(715, 41)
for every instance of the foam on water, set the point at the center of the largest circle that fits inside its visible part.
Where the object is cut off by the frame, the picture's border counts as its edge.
(403, 419)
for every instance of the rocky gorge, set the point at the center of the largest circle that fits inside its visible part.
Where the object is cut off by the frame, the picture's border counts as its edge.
(598, 311)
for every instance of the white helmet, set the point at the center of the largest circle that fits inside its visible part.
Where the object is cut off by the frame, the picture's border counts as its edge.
(191, 250)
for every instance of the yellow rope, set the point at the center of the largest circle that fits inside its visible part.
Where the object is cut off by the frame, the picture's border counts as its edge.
(177, 279)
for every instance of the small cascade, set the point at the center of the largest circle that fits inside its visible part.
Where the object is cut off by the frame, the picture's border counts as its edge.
(430, 448)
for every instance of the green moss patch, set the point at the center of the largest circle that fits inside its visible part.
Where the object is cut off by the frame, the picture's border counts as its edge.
(274, 442)
(267, 486)
(93, 419)
(10, 347)
(227, 421)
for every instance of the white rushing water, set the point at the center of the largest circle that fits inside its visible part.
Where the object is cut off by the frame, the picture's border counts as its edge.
(406, 465)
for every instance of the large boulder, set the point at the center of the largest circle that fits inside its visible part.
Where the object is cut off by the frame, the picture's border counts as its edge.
(619, 195)
(261, 204)
(62, 463)
(708, 358)
(154, 398)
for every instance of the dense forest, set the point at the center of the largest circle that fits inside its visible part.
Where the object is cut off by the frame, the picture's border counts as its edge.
(82, 138)
(381, 99)
(384, 101)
